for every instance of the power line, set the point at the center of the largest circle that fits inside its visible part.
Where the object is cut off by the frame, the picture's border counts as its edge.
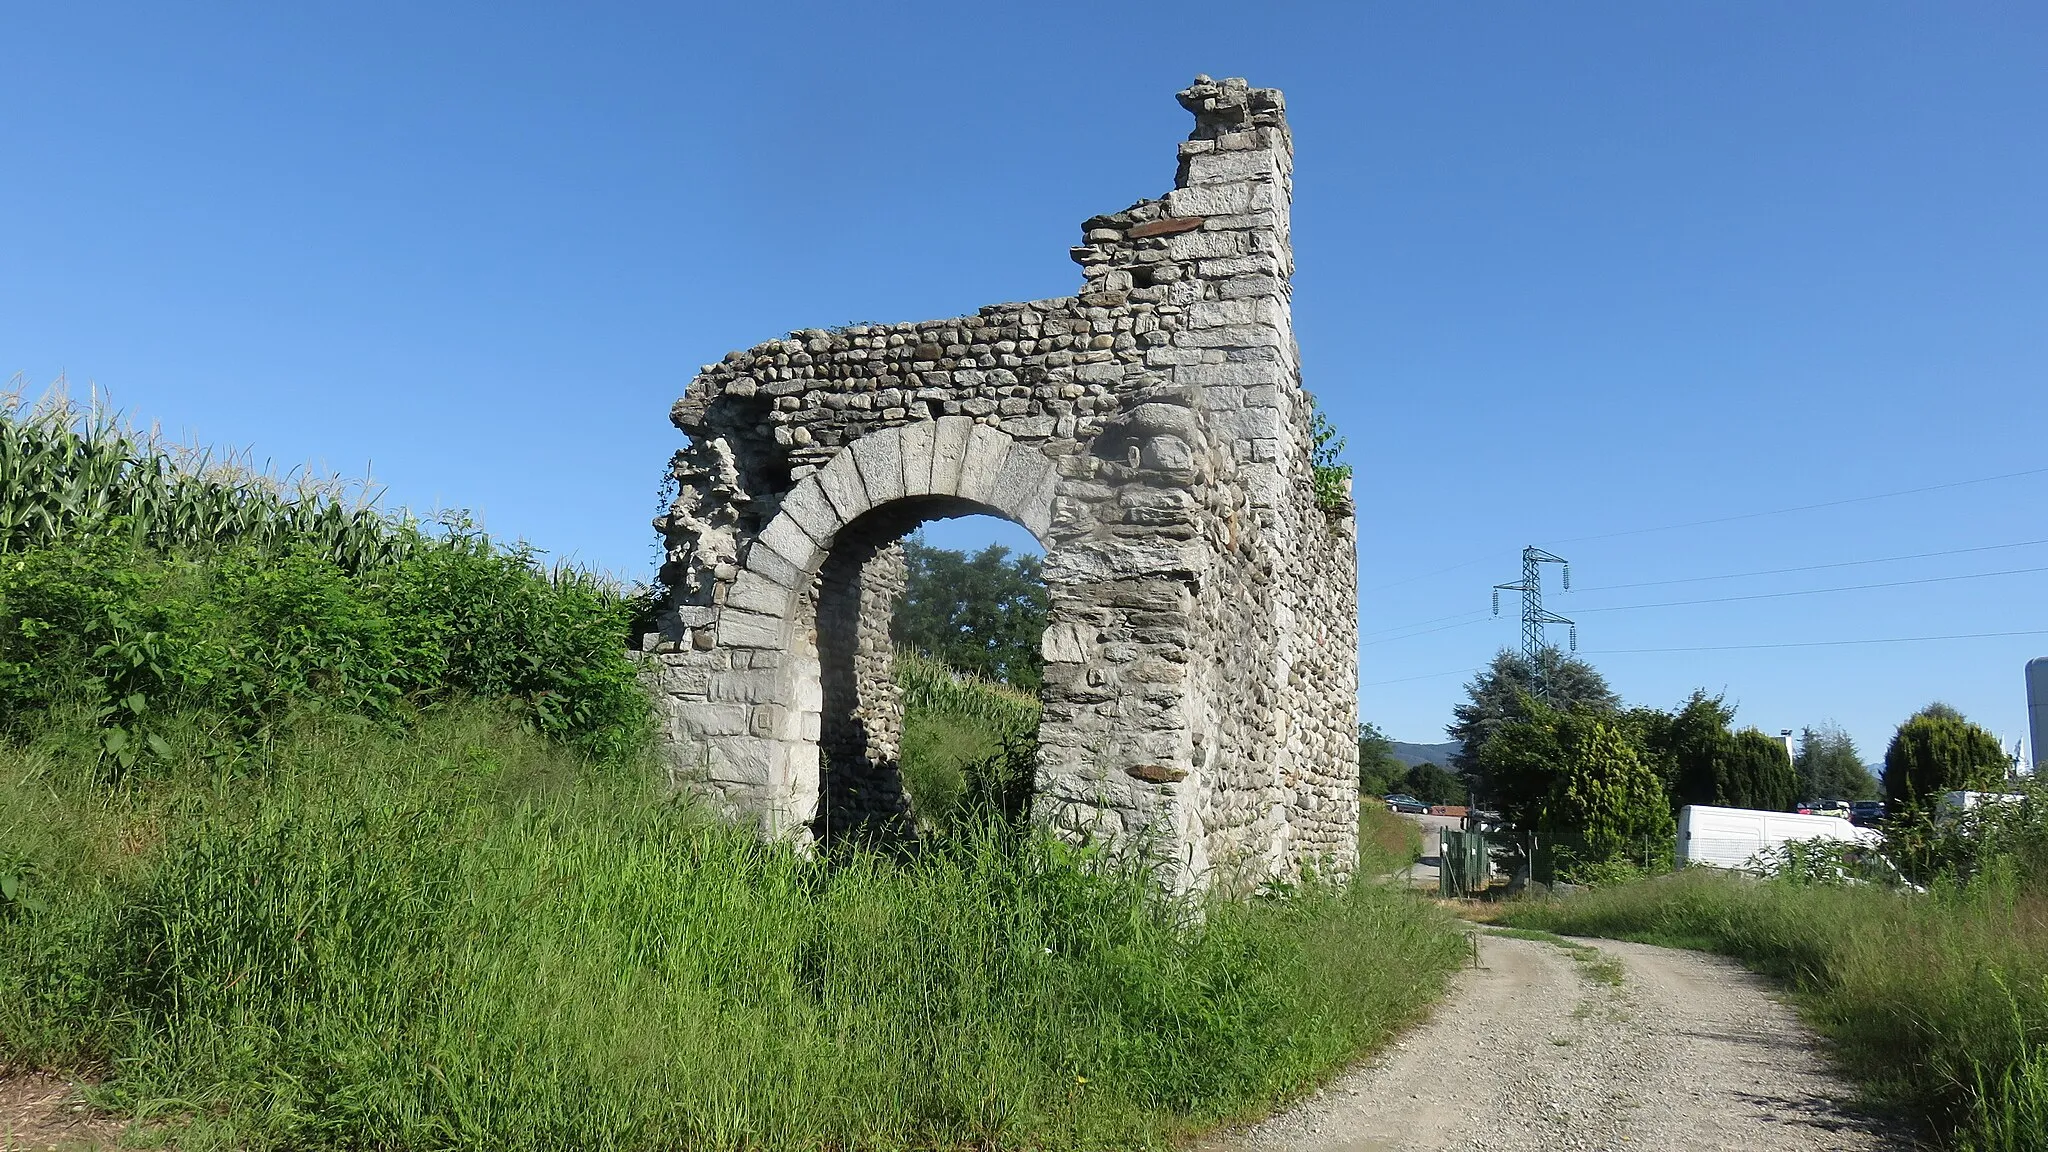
(1805, 507)
(1811, 644)
(1425, 676)
(1817, 591)
(1420, 623)
(1424, 632)
(1427, 575)
(1815, 567)
(1729, 519)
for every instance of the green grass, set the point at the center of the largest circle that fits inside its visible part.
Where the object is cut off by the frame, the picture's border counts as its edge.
(461, 936)
(1386, 841)
(965, 740)
(1937, 1003)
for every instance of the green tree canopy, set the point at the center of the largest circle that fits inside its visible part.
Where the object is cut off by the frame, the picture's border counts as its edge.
(1377, 767)
(1606, 804)
(1432, 784)
(1935, 751)
(1759, 773)
(1579, 778)
(1695, 745)
(1830, 767)
(983, 614)
(1493, 700)
(1702, 762)
(1521, 760)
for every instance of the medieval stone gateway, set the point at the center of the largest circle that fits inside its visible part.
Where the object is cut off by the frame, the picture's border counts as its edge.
(1200, 698)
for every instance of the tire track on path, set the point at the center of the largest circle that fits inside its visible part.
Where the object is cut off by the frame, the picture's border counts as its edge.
(1532, 1051)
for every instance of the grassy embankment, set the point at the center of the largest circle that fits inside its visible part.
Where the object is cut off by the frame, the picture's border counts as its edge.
(351, 840)
(1937, 1003)
(1386, 841)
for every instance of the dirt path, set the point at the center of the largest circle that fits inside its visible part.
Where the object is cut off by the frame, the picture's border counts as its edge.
(1542, 1047)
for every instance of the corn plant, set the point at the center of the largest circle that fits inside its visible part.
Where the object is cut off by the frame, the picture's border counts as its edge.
(69, 471)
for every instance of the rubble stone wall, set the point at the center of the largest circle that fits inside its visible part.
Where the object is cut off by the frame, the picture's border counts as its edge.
(1200, 699)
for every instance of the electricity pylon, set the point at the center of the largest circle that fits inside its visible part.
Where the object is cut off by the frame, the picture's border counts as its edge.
(1534, 616)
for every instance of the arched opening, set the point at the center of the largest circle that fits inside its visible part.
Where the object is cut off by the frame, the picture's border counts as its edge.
(930, 615)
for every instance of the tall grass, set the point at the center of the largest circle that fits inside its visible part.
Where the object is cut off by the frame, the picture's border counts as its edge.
(464, 938)
(1938, 1003)
(969, 744)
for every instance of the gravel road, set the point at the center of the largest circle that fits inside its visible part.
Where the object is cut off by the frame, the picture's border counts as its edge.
(1537, 1048)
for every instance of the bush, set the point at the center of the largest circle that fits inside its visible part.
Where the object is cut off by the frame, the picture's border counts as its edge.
(249, 638)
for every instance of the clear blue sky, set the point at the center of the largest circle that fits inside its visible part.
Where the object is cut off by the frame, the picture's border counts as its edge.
(1565, 270)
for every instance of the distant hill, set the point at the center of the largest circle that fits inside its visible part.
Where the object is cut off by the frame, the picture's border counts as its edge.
(1437, 754)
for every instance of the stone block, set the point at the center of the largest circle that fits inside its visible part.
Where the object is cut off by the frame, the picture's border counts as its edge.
(738, 628)
(1231, 167)
(987, 451)
(717, 719)
(754, 592)
(792, 543)
(1067, 643)
(807, 506)
(841, 483)
(949, 448)
(772, 566)
(1238, 287)
(1207, 245)
(917, 440)
(879, 456)
(1020, 482)
(753, 686)
(1215, 199)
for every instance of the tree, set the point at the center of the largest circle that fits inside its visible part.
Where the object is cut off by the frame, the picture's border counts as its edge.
(1578, 780)
(983, 614)
(1520, 760)
(1702, 762)
(1935, 751)
(1830, 767)
(1606, 805)
(1695, 745)
(1493, 700)
(1758, 773)
(1431, 784)
(1378, 770)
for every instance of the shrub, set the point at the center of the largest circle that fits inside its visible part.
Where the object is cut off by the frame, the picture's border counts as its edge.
(249, 638)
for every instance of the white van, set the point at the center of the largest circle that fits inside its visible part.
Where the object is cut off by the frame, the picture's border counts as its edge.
(1734, 837)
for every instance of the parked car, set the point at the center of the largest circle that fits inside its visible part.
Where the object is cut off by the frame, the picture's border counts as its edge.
(1401, 802)
(1866, 812)
(1823, 808)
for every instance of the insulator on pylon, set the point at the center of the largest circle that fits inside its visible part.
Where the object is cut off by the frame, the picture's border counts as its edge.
(1496, 601)
(1575, 637)
(1567, 577)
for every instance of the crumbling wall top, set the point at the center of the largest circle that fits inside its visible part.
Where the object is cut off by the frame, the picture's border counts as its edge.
(1231, 105)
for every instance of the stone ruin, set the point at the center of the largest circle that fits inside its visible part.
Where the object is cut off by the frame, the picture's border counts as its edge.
(1201, 686)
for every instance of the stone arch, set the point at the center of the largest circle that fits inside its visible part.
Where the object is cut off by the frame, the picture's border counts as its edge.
(952, 457)
(876, 487)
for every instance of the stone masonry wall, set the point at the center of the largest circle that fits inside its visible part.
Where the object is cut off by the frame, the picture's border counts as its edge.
(1200, 683)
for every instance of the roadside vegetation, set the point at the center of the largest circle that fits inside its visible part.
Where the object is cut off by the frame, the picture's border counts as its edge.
(308, 846)
(1936, 1002)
